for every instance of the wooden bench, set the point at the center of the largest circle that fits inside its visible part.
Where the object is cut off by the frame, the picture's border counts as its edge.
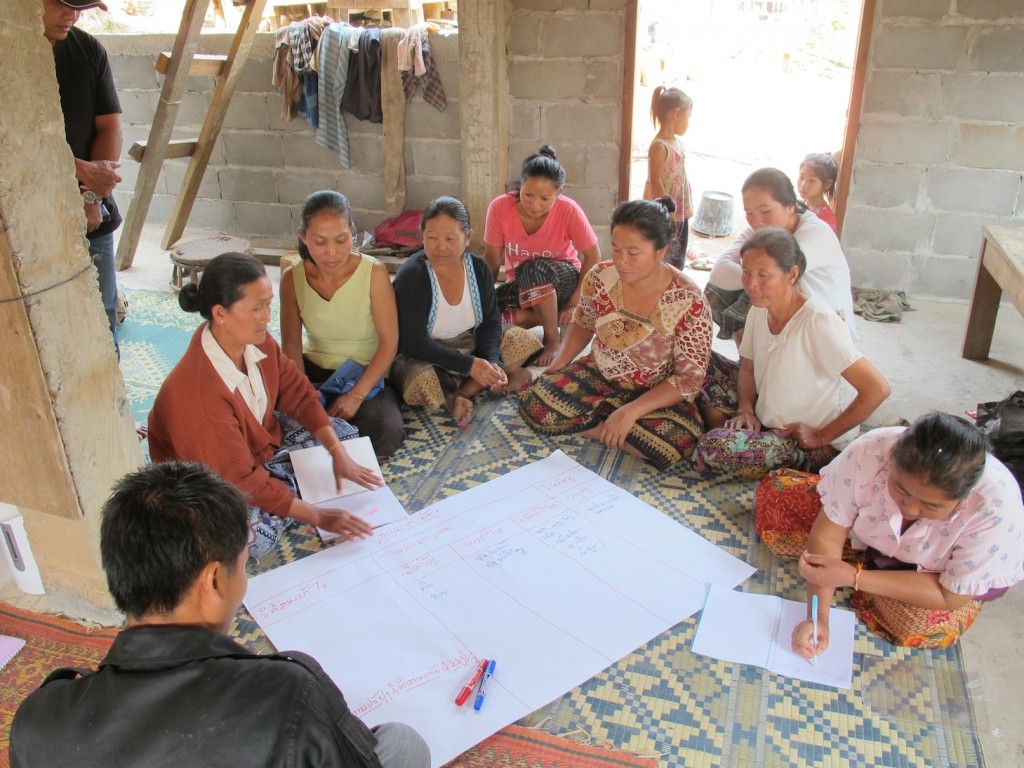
(1000, 268)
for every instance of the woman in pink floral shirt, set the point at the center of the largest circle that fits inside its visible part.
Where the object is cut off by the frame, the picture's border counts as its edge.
(651, 334)
(939, 520)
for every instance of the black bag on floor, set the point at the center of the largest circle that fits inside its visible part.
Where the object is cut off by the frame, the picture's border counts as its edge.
(1003, 423)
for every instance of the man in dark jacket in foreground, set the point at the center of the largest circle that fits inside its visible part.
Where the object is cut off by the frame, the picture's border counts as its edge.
(174, 690)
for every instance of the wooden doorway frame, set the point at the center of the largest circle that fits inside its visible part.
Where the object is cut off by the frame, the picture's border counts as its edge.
(853, 112)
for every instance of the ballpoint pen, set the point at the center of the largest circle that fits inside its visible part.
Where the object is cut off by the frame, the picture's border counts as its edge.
(814, 625)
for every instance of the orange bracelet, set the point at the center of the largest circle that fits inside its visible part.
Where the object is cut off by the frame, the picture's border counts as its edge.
(856, 577)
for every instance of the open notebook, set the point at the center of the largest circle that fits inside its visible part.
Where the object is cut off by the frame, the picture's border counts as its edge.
(757, 629)
(314, 472)
(9, 646)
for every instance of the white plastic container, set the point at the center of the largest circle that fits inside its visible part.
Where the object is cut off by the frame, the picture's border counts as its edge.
(17, 552)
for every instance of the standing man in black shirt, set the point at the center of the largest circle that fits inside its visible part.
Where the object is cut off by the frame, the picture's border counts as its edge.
(92, 125)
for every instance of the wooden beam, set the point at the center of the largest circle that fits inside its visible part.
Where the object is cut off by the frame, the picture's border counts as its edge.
(248, 25)
(860, 70)
(175, 149)
(483, 106)
(185, 45)
(203, 65)
(629, 78)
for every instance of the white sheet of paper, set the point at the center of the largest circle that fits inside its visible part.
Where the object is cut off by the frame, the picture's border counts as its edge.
(550, 570)
(757, 629)
(377, 507)
(314, 470)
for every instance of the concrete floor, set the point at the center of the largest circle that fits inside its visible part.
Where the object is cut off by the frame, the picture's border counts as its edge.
(921, 358)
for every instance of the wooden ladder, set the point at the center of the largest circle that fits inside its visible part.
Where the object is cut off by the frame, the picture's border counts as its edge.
(176, 66)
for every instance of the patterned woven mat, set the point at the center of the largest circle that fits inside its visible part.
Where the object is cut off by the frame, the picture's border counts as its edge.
(906, 709)
(530, 748)
(51, 642)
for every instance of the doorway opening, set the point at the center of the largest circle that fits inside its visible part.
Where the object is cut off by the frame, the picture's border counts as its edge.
(770, 82)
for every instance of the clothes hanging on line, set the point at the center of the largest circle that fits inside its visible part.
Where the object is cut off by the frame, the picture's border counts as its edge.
(333, 61)
(362, 90)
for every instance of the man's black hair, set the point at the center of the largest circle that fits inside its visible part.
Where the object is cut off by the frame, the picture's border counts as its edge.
(161, 526)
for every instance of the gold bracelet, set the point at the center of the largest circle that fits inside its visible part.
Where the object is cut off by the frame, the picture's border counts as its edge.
(357, 397)
(856, 576)
(336, 445)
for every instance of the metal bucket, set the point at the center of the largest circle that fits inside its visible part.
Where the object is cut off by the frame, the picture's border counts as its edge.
(714, 215)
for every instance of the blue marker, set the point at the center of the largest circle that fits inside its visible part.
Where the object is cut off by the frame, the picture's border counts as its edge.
(814, 625)
(482, 690)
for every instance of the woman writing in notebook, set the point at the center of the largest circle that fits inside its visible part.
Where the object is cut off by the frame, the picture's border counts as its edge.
(935, 526)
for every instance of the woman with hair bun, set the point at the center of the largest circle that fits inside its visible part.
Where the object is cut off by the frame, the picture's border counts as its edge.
(651, 334)
(547, 246)
(219, 406)
(935, 527)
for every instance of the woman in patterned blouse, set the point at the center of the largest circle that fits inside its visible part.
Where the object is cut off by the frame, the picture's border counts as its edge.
(651, 334)
(935, 526)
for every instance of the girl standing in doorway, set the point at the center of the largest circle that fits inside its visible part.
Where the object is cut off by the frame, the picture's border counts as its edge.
(666, 164)
(817, 186)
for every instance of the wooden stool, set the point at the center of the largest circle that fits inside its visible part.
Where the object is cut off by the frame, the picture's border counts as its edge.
(290, 259)
(190, 258)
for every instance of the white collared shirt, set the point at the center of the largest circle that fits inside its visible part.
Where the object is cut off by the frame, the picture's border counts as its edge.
(251, 384)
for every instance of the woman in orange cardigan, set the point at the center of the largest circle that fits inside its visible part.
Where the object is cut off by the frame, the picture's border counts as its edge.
(220, 406)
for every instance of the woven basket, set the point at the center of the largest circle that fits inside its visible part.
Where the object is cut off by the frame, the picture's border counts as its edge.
(786, 507)
(909, 625)
(518, 345)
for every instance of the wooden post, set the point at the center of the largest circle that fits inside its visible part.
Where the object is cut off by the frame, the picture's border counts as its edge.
(67, 421)
(629, 77)
(860, 71)
(237, 56)
(483, 106)
(185, 45)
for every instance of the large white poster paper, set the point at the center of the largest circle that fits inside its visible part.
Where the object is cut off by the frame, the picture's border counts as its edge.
(550, 570)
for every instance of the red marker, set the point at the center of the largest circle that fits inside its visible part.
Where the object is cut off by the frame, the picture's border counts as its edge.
(468, 687)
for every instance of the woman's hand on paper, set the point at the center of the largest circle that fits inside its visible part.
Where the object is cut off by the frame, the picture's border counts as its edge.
(803, 638)
(346, 469)
(343, 523)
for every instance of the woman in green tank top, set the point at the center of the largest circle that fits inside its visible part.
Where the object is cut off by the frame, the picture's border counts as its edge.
(344, 301)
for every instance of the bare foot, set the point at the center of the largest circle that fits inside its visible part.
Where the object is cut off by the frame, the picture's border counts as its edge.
(461, 408)
(548, 355)
(519, 381)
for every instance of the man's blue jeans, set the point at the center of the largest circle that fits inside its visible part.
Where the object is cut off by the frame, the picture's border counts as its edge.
(101, 249)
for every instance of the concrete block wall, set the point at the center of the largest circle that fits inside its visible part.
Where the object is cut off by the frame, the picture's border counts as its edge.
(263, 166)
(565, 72)
(940, 150)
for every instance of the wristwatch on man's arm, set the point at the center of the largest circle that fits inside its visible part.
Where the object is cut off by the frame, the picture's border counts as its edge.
(90, 197)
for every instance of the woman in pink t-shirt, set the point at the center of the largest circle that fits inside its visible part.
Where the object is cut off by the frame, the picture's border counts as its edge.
(540, 235)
